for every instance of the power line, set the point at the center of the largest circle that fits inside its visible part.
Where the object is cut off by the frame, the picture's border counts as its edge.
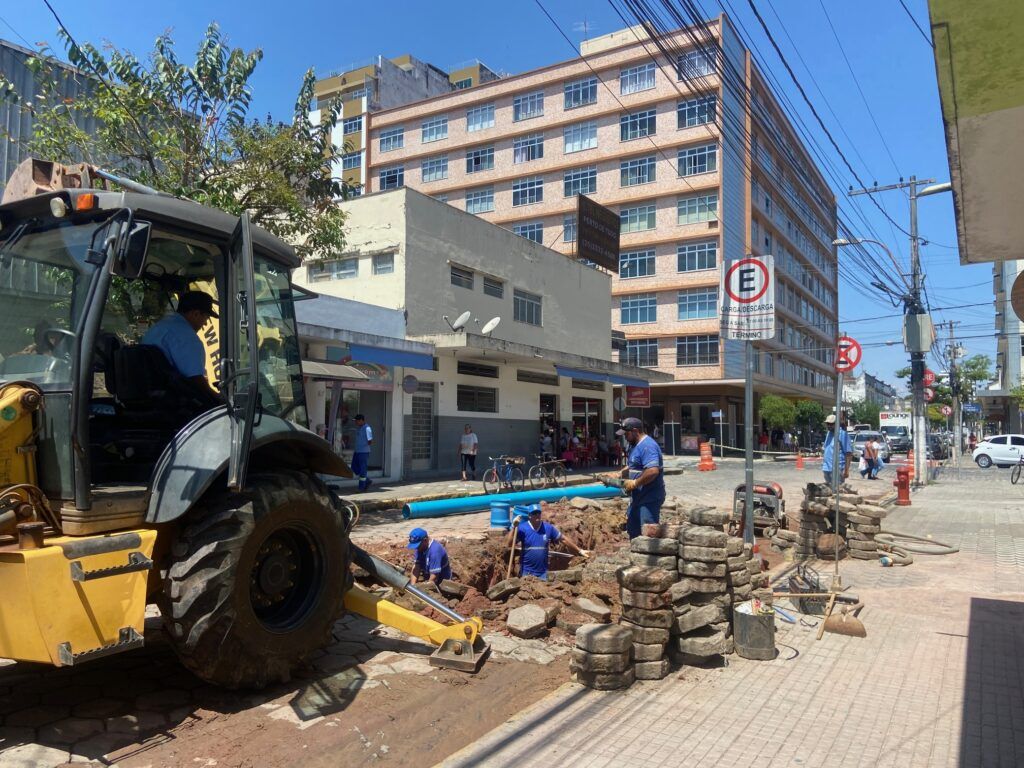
(16, 32)
(919, 29)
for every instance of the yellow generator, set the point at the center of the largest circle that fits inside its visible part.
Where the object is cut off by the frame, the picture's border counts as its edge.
(152, 441)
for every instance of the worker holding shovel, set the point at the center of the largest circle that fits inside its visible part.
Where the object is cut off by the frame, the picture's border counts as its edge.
(645, 478)
(536, 537)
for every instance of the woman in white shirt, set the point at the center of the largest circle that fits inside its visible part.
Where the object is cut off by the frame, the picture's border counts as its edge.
(468, 444)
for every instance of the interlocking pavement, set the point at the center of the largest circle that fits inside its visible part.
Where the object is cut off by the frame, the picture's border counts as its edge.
(937, 681)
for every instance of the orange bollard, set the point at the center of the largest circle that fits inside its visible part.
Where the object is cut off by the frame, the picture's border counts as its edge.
(707, 463)
(799, 460)
(910, 462)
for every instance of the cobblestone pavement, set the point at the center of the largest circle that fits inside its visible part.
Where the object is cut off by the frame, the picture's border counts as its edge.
(937, 681)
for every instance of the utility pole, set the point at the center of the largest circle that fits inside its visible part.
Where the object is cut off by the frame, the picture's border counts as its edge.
(954, 388)
(918, 333)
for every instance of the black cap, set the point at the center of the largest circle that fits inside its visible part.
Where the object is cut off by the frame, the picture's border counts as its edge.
(632, 422)
(196, 300)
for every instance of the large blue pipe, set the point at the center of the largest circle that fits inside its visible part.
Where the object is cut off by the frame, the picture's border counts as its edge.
(442, 507)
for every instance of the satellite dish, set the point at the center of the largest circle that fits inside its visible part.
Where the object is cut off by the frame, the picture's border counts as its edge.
(461, 320)
(490, 325)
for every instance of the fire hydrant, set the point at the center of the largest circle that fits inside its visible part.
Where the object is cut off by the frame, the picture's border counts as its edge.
(902, 485)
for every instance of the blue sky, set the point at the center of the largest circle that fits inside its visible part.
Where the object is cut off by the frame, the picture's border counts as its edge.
(891, 61)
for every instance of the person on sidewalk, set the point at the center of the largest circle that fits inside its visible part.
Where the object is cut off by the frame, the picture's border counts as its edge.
(869, 456)
(645, 481)
(468, 445)
(535, 537)
(828, 454)
(361, 455)
(431, 558)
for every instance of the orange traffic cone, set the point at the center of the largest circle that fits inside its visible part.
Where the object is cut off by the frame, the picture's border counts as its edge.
(799, 460)
(910, 462)
(707, 463)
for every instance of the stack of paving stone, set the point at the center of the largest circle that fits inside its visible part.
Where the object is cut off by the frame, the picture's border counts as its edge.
(647, 613)
(862, 525)
(785, 539)
(603, 657)
(816, 518)
(657, 547)
(702, 598)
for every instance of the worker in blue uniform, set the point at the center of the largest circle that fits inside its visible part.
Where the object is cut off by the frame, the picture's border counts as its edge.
(431, 558)
(361, 454)
(535, 537)
(645, 477)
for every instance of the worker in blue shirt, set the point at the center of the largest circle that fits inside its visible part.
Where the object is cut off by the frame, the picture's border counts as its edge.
(645, 477)
(361, 455)
(535, 537)
(828, 452)
(431, 558)
(177, 337)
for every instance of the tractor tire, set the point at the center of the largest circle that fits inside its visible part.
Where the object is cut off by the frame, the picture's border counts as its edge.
(255, 580)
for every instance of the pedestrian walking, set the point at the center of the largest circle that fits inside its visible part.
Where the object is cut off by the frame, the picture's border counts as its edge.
(361, 455)
(468, 445)
(867, 460)
(828, 453)
(645, 475)
(762, 441)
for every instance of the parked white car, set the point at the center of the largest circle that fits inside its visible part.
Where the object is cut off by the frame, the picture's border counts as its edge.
(1001, 450)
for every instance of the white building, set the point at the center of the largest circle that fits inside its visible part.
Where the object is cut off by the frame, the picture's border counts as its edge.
(870, 389)
(548, 361)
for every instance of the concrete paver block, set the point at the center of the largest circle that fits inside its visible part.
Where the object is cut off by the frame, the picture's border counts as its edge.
(527, 621)
(701, 569)
(570, 620)
(709, 516)
(722, 599)
(568, 576)
(651, 670)
(504, 589)
(644, 579)
(734, 546)
(685, 587)
(703, 554)
(737, 578)
(653, 546)
(34, 717)
(648, 651)
(647, 635)
(162, 701)
(866, 546)
(650, 600)
(451, 588)
(661, 530)
(645, 618)
(703, 536)
(704, 643)
(736, 562)
(97, 748)
(32, 755)
(861, 519)
(70, 730)
(601, 682)
(604, 663)
(594, 608)
(698, 617)
(860, 554)
(579, 502)
(604, 638)
(136, 723)
(656, 561)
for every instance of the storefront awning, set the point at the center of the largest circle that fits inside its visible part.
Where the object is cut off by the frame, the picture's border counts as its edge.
(580, 373)
(392, 357)
(318, 370)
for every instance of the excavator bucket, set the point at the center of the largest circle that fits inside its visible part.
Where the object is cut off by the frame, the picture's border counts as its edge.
(461, 655)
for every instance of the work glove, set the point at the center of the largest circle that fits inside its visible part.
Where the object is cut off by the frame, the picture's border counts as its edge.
(584, 553)
(520, 518)
(629, 485)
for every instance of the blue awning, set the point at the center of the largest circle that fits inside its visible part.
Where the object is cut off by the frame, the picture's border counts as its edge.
(624, 381)
(579, 373)
(394, 357)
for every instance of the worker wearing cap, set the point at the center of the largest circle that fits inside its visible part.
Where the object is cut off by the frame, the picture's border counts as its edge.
(535, 537)
(828, 452)
(645, 477)
(177, 337)
(431, 558)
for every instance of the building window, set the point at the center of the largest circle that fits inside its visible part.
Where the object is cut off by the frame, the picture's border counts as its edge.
(527, 106)
(384, 264)
(435, 130)
(479, 159)
(640, 352)
(392, 138)
(469, 368)
(528, 191)
(462, 277)
(351, 160)
(694, 160)
(694, 257)
(352, 125)
(526, 307)
(338, 269)
(581, 181)
(527, 148)
(635, 79)
(494, 287)
(580, 93)
(638, 308)
(480, 200)
(697, 350)
(479, 118)
(698, 111)
(638, 171)
(636, 264)
(691, 210)
(435, 168)
(392, 178)
(698, 303)
(636, 125)
(479, 399)
(579, 137)
(463, 84)
(693, 64)
(639, 219)
(442, 198)
(569, 229)
(533, 231)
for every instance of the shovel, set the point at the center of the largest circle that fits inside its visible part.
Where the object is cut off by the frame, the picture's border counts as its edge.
(846, 623)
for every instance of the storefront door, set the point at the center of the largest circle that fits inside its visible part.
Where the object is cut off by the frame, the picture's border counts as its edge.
(422, 429)
(586, 416)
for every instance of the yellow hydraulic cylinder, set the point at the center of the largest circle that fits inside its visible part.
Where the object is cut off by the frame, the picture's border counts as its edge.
(373, 607)
(18, 401)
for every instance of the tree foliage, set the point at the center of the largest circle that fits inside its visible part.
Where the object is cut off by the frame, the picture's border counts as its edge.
(810, 413)
(185, 129)
(865, 412)
(777, 411)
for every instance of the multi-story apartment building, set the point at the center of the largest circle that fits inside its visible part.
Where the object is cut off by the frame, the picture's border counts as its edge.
(998, 407)
(868, 389)
(381, 84)
(700, 163)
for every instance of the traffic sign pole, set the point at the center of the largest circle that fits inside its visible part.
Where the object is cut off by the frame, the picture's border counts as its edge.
(748, 445)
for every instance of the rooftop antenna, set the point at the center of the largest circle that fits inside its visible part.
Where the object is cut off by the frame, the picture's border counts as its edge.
(460, 321)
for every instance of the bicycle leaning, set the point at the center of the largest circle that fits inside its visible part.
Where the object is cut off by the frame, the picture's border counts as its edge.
(546, 473)
(1015, 473)
(504, 475)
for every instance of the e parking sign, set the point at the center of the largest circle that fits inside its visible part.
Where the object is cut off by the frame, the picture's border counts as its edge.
(747, 294)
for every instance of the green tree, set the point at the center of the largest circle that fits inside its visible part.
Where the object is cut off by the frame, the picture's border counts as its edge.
(185, 129)
(809, 413)
(864, 412)
(971, 373)
(777, 411)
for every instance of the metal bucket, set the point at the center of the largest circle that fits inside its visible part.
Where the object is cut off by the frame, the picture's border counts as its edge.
(753, 634)
(500, 515)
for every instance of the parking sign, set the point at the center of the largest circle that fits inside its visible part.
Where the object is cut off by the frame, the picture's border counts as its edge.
(747, 294)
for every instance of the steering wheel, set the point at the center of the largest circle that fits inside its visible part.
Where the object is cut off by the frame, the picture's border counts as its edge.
(66, 337)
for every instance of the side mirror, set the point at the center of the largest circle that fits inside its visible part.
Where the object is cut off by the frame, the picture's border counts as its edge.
(131, 255)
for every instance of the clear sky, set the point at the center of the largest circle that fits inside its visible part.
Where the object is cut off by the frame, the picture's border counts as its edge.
(892, 62)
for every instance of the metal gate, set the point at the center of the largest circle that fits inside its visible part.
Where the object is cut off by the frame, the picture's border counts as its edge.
(422, 428)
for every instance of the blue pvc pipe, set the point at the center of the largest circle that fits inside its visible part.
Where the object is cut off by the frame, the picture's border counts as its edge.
(463, 504)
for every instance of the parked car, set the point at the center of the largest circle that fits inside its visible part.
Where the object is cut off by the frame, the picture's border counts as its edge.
(1001, 450)
(937, 447)
(898, 437)
(859, 439)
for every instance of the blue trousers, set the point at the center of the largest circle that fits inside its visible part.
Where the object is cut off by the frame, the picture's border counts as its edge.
(641, 514)
(360, 465)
